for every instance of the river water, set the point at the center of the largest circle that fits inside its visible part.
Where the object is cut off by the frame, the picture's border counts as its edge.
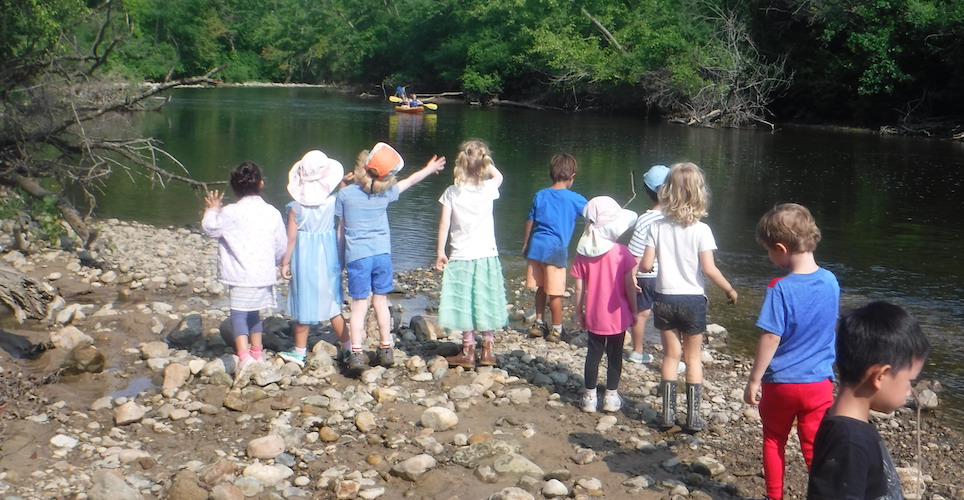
(889, 207)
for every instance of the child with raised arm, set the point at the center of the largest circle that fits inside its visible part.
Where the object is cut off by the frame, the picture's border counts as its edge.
(880, 352)
(684, 247)
(548, 230)
(605, 295)
(473, 288)
(312, 262)
(251, 243)
(652, 180)
(793, 368)
(362, 211)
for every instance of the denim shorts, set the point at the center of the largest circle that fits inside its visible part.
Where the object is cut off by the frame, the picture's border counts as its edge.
(685, 313)
(370, 274)
(644, 300)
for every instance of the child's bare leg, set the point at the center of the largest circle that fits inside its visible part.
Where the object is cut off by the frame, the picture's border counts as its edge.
(339, 327)
(382, 316)
(672, 350)
(540, 302)
(636, 332)
(301, 336)
(692, 345)
(555, 309)
(359, 307)
(241, 344)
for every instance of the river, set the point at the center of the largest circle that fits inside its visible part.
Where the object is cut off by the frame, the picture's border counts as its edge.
(889, 207)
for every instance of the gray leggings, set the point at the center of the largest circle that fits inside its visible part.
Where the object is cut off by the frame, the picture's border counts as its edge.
(245, 322)
(612, 345)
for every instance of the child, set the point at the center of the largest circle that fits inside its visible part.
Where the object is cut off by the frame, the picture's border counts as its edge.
(547, 232)
(880, 351)
(794, 358)
(684, 247)
(473, 288)
(605, 294)
(251, 242)
(311, 262)
(652, 180)
(362, 211)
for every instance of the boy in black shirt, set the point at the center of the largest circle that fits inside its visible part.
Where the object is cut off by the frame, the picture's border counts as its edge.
(880, 351)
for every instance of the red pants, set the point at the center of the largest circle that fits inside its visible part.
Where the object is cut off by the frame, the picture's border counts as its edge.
(780, 404)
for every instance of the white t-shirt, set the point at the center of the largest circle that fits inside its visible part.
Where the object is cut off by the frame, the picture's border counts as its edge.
(678, 251)
(472, 233)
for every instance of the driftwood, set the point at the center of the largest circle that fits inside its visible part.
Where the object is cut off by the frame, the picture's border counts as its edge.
(25, 296)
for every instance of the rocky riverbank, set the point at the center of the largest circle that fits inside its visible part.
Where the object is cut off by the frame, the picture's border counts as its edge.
(148, 407)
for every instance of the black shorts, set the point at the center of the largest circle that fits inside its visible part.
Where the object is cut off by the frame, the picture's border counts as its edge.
(686, 313)
(644, 300)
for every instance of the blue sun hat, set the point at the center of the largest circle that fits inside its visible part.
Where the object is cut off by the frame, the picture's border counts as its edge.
(655, 176)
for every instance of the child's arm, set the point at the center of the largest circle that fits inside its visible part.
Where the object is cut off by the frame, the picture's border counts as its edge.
(495, 175)
(292, 234)
(764, 354)
(434, 166)
(525, 237)
(341, 240)
(713, 273)
(630, 283)
(648, 260)
(210, 222)
(580, 298)
(444, 223)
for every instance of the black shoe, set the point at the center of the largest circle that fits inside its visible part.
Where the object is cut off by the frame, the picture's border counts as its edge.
(385, 356)
(357, 362)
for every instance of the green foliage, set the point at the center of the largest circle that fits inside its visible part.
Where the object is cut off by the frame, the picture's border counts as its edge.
(42, 215)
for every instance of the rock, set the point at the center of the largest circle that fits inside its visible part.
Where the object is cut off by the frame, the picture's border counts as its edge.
(584, 456)
(927, 399)
(328, 435)
(84, 358)
(554, 488)
(269, 475)
(413, 468)
(470, 456)
(220, 471)
(175, 376)
(424, 329)
(365, 421)
(109, 485)
(512, 493)
(63, 441)
(69, 337)
(513, 464)
(266, 447)
(225, 491)
(439, 418)
(707, 466)
(911, 482)
(128, 413)
(187, 332)
(184, 486)
(156, 349)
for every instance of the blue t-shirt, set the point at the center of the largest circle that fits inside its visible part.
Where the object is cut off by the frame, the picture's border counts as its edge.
(366, 221)
(553, 215)
(802, 310)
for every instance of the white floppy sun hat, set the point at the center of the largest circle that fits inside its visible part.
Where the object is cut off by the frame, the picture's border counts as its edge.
(314, 177)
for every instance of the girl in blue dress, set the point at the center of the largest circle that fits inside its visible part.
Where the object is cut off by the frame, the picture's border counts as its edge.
(311, 261)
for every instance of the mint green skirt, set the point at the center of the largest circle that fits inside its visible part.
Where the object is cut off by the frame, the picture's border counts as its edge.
(473, 296)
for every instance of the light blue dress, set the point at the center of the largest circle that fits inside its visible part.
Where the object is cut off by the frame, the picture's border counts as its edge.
(315, 292)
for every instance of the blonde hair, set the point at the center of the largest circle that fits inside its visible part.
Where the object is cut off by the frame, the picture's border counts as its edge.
(790, 224)
(683, 197)
(368, 182)
(473, 162)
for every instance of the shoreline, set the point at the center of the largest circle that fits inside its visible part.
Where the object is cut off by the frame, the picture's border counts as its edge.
(148, 301)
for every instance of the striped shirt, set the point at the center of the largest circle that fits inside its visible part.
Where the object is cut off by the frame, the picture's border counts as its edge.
(637, 246)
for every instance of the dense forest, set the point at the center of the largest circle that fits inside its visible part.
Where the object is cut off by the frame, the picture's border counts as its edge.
(866, 62)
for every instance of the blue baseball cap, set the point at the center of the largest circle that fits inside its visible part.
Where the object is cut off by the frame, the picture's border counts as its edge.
(655, 176)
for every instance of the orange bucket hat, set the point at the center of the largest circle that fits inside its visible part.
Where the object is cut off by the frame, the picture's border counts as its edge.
(383, 162)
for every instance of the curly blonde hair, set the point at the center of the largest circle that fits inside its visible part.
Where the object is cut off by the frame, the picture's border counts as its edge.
(473, 162)
(368, 181)
(684, 197)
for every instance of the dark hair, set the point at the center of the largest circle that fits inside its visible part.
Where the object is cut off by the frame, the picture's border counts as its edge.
(879, 333)
(790, 224)
(246, 179)
(562, 167)
(653, 195)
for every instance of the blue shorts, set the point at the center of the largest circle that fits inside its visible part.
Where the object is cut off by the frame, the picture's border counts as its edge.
(370, 274)
(644, 300)
(685, 313)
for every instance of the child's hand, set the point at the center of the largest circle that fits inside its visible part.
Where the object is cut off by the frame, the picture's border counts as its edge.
(286, 271)
(348, 178)
(732, 295)
(436, 164)
(213, 199)
(751, 391)
(441, 262)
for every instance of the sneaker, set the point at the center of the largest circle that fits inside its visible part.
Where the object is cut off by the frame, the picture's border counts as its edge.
(357, 362)
(553, 336)
(539, 328)
(243, 369)
(612, 402)
(640, 358)
(385, 356)
(589, 402)
(294, 357)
